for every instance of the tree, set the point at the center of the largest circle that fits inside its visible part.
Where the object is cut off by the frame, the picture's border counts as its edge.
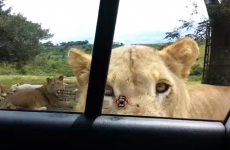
(74, 43)
(19, 38)
(218, 14)
(219, 20)
(4, 12)
(89, 50)
(117, 44)
(48, 44)
(196, 31)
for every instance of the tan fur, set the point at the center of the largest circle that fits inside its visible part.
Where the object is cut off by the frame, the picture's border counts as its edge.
(35, 98)
(80, 66)
(3, 92)
(209, 101)
(2, 88)
(135, 71)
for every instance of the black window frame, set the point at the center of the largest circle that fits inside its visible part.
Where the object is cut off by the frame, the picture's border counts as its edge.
(100, 56)
(67, 130)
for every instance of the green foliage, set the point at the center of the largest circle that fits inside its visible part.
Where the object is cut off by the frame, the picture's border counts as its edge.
(196, 70)
(22, 53)
(218, 15)
(4, 12)
(73, 43)
(198, 33)
(19, 38)
(51, 61)
(48, 44)
(195, 78)
(117, 44)
(200, 42)
(218, 19)
(157, 46)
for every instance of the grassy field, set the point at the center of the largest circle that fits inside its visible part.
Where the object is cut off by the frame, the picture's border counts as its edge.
(201, 60)
(70, 101)
(9, 80)
(193, 82)
(54, 61)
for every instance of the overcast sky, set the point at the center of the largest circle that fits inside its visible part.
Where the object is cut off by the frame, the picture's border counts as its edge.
(138, 21)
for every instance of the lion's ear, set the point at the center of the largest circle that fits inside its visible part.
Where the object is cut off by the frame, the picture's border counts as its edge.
(180, 56)
(48, 80)
(79, 62)
(61, 78)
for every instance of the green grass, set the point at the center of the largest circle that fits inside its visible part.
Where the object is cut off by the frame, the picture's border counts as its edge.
(201, 52)
(52, 63)
(201, 60)
(197, 79)
(9, 80)
(193, 82)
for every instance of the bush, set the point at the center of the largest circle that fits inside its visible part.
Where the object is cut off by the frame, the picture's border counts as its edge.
(196, 70)
(195, 78)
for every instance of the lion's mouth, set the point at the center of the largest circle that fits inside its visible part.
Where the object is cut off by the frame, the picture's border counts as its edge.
(58, 92)
(61, 92)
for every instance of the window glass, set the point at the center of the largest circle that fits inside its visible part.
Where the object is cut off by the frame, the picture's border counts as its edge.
(35, 38)
(156, 67)
(169, 58)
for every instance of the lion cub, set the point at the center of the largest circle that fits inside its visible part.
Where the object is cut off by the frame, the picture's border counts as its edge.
(36, 98)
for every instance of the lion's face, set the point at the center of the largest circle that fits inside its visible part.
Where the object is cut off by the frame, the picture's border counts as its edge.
(151, 80)
(13, 88)
(54, 84)
(139, 73)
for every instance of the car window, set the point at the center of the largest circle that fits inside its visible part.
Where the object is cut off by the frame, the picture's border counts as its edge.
(168, 59)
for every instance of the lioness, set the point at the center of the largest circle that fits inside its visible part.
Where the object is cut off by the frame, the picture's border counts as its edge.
(154, 81)
(36, 98)
(3, 92)
(18, 87)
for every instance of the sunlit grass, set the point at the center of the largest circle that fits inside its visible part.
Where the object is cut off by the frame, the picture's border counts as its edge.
(9, 80)
(191, 83)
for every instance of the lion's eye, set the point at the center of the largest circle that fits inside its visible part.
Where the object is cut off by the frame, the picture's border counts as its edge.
(162, 87)
(108, 90)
